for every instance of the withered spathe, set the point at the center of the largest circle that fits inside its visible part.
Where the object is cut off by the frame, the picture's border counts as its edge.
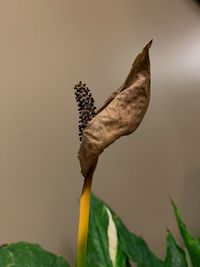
(120, 115)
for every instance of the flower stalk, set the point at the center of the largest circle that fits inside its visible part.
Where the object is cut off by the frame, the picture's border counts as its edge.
(83, 222)
(84, 218)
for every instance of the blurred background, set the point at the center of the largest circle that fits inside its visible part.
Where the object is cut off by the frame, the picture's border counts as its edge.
(48, 46)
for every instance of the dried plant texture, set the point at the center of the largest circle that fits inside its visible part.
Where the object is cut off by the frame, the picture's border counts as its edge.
(120, 115)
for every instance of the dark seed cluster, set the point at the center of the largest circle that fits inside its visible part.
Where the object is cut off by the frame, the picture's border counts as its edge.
(86, 106)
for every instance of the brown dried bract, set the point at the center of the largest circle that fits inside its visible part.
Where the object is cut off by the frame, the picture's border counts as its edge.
(120, 115)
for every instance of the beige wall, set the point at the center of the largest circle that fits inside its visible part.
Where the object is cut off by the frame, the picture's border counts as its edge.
(47, 46)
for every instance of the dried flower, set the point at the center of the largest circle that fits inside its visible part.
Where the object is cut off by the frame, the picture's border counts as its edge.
(120, 115)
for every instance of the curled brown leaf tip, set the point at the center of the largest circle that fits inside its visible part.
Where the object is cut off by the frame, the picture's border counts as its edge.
(120, 115)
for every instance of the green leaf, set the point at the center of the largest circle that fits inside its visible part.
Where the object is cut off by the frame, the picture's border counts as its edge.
(175, 255)
(98, 250)
(135, 247)
(24, 254)
(188, 259)
(192, 244)
(121, 258)
(3, 245)
(130, 246)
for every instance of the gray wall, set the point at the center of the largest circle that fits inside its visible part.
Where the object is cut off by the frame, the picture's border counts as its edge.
(46, 47)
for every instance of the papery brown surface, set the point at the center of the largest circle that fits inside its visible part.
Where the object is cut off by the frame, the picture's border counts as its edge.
(120, 115)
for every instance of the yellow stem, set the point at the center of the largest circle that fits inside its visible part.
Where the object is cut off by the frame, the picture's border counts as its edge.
(84, 221)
